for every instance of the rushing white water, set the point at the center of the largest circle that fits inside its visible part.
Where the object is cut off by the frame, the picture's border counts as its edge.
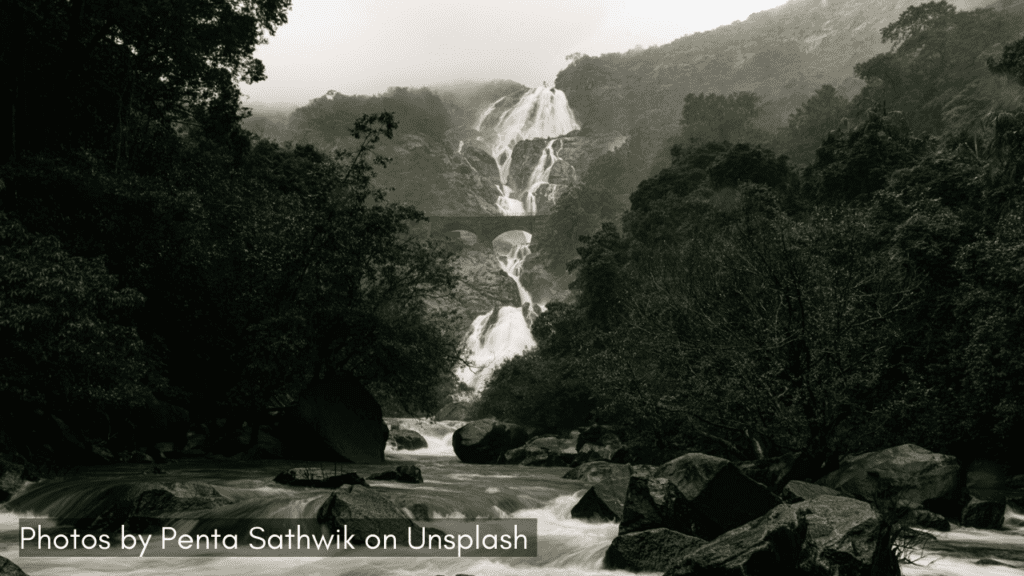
(540, 113)
(437, 433)
(503, 333)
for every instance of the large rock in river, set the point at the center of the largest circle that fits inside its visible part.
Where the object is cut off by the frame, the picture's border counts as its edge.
(607, 497)
(142, 506)
(485, 441)
(928, 479)
(770, 544)
(336, 418)
(654, 550)
(364, 511)
(717, 494)
(546, 451)
(841, 536)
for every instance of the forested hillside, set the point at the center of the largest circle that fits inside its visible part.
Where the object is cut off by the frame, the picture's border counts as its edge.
(746, 306)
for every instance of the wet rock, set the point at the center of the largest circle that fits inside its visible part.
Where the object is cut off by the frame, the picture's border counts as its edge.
(931, 480)
(983, 514)
(455, 410)
(337, 419)
(770, 544)
(157, 421)
(653, 502)
(718, 496)
(485, 441)
(385, 475)
(1016, 482)
(364, 511)
(140, 507)
(797, 491)
(407, 439)
(546, 451)
(605, 499)
(317, 478)
(925, 519)
(654, 550)
(410, 474)
(8, 568)
(600, 443)
(841, 536)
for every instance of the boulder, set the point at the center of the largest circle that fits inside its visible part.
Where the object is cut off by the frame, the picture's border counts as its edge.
(410, 474)
(797, 491)
(927, 479)
(1015, 482)
(718, 496)
(841, 536)
(8, 568)
(158, 421)
(770, 544)
(653, 502)
(599, 443)
(335, 418)
(407, 439)
(983, 514)
(925, 519)
(140, 507)
(11, 479)
(485, 441)
(364, 511)
(654, 550)
(546, 451)
(605, 499)
(317, 478)
(455, 411)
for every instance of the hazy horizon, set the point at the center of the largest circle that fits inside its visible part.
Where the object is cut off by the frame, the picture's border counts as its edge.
(364, 47)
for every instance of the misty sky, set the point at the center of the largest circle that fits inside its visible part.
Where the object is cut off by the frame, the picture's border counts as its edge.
(366, 46)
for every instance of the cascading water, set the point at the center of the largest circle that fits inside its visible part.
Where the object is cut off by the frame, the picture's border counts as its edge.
(540, 113)
(503, 333)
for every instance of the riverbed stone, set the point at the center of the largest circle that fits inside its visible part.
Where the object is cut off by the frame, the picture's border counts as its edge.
(925, 519)
(364, 511)
(984, 514)
(928, 479)
(455, 411)
(600, 443)
(485, 441)
(841, 536)
(595, 471)
(142, 506)
(334, 419)
(797, 491)
(654, 550)
(8, 568)
(403, 439)
(410, 474)
(605, 499)
(317, 478)
(770, 544)
(544, 451)
(718, 496)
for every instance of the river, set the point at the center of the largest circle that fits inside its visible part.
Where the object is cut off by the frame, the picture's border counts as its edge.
(451, 489)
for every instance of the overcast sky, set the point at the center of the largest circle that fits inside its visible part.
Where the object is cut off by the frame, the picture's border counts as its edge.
(366, 46)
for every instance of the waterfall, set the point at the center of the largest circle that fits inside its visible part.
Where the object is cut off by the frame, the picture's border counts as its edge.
(540, 113)
(502, 333)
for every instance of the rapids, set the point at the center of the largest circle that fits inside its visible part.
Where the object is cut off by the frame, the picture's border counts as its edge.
(451, 489)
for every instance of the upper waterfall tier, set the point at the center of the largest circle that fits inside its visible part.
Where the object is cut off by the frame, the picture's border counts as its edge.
(540, 113)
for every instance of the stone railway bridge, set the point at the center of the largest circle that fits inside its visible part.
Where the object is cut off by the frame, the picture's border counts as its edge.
(486, 228)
